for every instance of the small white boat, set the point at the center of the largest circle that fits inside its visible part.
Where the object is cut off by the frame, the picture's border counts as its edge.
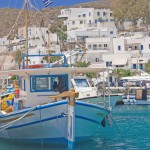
(140, 97)
(90, 94)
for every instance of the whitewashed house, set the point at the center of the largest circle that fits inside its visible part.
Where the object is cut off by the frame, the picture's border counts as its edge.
(37, 36)
(79, 18)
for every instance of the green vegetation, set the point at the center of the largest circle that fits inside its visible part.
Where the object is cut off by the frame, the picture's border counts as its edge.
(81, 64)
(119, 73)
(132, 10)
(52, 59)
(59, 28)
(18, 58)
(147, 67)
(84, 64)
(14, 77)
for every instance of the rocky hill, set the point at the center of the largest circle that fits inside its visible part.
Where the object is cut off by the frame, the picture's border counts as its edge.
(8, 16)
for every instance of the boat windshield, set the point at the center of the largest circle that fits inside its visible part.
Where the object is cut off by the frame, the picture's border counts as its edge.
(81, 83)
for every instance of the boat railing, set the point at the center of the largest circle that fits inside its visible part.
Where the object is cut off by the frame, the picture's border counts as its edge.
(59, 63)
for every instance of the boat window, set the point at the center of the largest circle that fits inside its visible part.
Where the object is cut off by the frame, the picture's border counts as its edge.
(81, 83)
(22, 83)
(59, 83)
(56, 83)
(42, 83)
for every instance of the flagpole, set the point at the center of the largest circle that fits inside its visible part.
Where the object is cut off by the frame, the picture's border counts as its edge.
(27, 15)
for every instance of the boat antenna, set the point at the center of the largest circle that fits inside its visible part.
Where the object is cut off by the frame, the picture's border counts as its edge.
(27, 15)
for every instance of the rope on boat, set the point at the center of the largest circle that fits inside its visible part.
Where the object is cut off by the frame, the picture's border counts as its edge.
(10, 123)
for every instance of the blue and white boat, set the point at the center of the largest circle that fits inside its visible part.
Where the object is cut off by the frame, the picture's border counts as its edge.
(46, 111)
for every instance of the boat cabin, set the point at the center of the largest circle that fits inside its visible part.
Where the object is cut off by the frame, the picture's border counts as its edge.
(36, 85)
(82, 85)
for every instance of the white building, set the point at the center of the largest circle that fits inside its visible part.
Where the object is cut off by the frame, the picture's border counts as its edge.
(79, 18)
(80, 35)
(3, 44)
(100, 44)
(37, 36)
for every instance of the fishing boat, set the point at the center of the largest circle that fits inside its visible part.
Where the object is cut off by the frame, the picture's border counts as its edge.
(47, 108)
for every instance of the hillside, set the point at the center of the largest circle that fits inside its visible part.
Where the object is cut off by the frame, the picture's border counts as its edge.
(8, 16)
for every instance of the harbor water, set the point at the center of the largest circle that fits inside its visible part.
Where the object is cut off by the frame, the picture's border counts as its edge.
(130, 129)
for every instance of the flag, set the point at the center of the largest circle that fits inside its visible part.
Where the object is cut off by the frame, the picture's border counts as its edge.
(47, 2)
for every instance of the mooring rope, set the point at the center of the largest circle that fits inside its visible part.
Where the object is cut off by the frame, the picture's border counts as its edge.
(10, 123)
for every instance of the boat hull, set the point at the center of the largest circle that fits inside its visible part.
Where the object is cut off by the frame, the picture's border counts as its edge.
(101, 100)
(50, 122)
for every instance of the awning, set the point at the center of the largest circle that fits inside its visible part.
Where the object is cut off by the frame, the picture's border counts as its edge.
(119, 62)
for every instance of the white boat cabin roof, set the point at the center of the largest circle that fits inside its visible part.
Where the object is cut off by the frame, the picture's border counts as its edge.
(60, 70)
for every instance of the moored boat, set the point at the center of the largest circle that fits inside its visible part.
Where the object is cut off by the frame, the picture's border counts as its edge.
(47, 108)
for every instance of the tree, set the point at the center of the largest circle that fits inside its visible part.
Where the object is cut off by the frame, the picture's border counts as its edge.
(59, 28)
(14, 77)
(82, 64)
(119, 73)
(18, 58)
(147, 67)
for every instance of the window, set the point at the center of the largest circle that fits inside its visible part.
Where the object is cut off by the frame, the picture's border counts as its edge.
(136, 47)
(96, 59)
(100, 45)
(119, 47)
(81, 83)
(98, 13)
(109, 64)
(141, 66)
(81, 22)
(95, 21)
(84, 15)
(95, 47)
(89, 14)
(142, 47)
(79, 16)
(105, 45)
(73, 22)
(22, 83)
(149, 46)
(89, 46)
(104, 13)
(42, 83)
(90, 22)
(134, 66)
(111, 32)
(110, 14)
(59, 83)
(45, 83)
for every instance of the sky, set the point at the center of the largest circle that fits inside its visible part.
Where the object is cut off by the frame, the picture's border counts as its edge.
(39, 3)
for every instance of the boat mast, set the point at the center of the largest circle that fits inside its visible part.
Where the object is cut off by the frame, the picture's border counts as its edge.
(27, 15)
(49, 45)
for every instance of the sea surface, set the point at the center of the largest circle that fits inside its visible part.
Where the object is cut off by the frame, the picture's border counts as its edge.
(129, 130)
